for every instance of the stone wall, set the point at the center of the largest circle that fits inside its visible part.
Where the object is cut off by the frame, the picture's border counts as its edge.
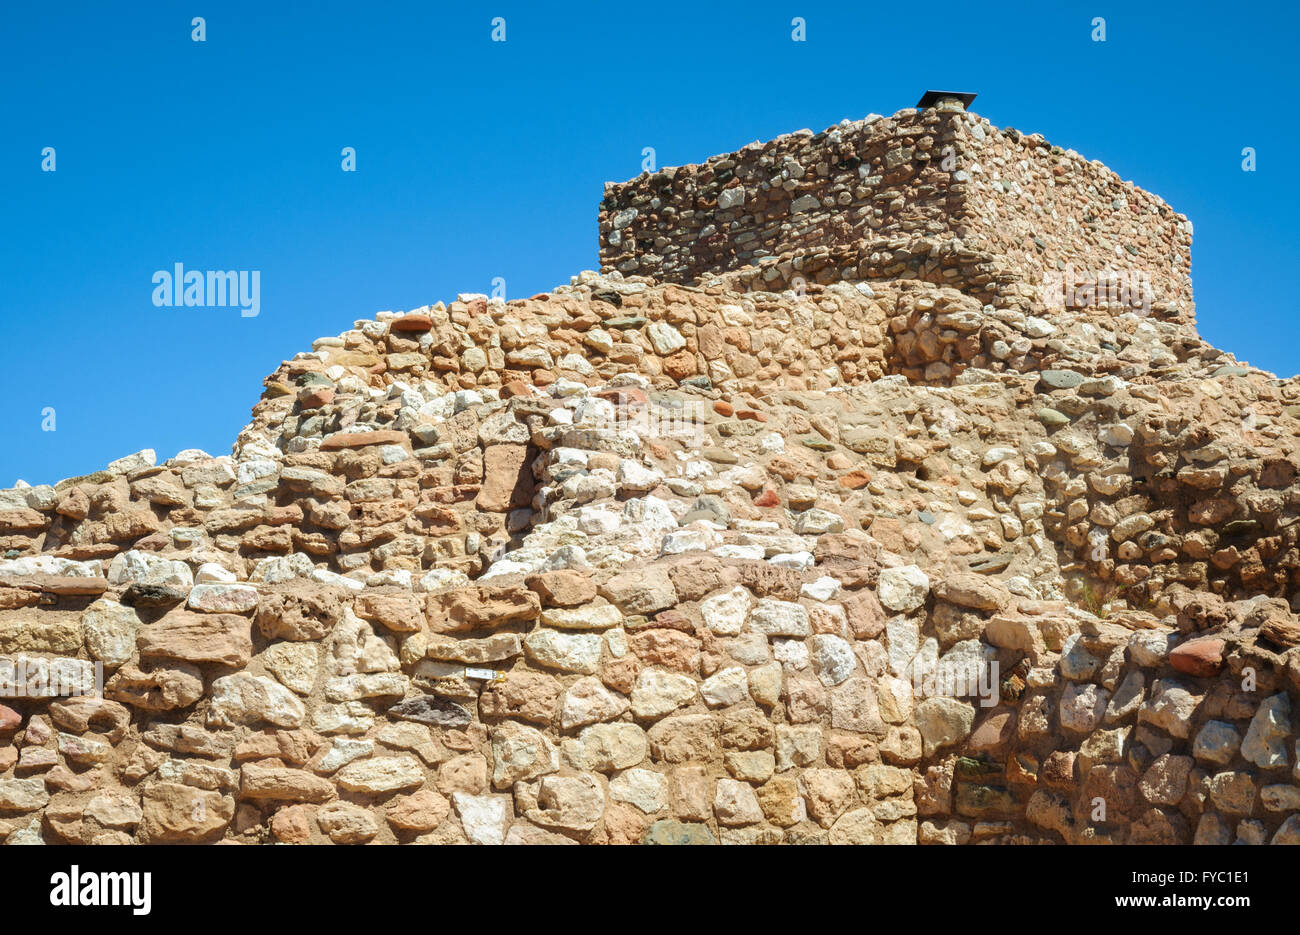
(803, 194)
(635, 561)
(715, 637)
(941, 197)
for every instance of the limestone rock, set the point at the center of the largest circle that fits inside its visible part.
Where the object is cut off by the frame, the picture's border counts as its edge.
(903, 589)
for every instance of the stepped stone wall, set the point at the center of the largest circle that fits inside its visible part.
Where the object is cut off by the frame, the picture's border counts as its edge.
(874, 561)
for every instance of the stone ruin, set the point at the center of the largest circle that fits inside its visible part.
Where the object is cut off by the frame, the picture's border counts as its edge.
(879, 490)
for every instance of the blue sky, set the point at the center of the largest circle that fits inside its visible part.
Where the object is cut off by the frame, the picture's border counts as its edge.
(480, 159)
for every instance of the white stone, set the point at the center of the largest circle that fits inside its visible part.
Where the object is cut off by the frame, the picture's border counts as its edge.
(571, 652)
(222, 598)
(725, 613)
(1170, 707)
(903, 638)
(725, 687)
(688, 540)
(145, 458)
(1150, 648)
(436, 580)
(665, 338)
(658, 692)
(325, 576)
(816, 522)
(110, 630)
(642, 788)
(1082, 706)
(903, 589)
(249, 471)
(586, 617)
(381, 774)
(587, 701)
(823, 589)
(996, 456)
(745, 552)
(730, 198)
(943, 722)
(483, 816)
(832, 658)
(637, 478)
(143, 568)
(796, 560)
(779, 618)
(792, 653)
(243, 698)
(1265, 741)
(281, 568)
(735, 803)
(212, 573)
(342, 751)
(1117, 435)
(49, 565)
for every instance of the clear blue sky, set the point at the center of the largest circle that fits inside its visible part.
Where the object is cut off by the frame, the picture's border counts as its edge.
(479, 159)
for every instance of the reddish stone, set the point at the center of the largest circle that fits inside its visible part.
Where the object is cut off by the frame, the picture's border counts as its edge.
(292, 825)
(751, 414)
(562, 588)
(865, 615)
(314, 399)
(767, 498)
(9, 719)
(724, 409)
(1202, 658)
(153, 543)
(290, 515)
(624, 395)
(995, 734)
(543, 378)
(412, 322)
(363, 439)
(624, 824)
(57, 584)
(459, 493)
(481, 607)
(621, 674)
(14, 598)
(22, 520)
(847, 751)
(674, 619)
(398, 610)
(666, 647)
(1057, 771)
(855, 480)
(681, 365)
(506, 480)
(516, 388)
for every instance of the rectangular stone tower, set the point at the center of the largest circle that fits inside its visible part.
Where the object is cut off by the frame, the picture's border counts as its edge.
(936, 194)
